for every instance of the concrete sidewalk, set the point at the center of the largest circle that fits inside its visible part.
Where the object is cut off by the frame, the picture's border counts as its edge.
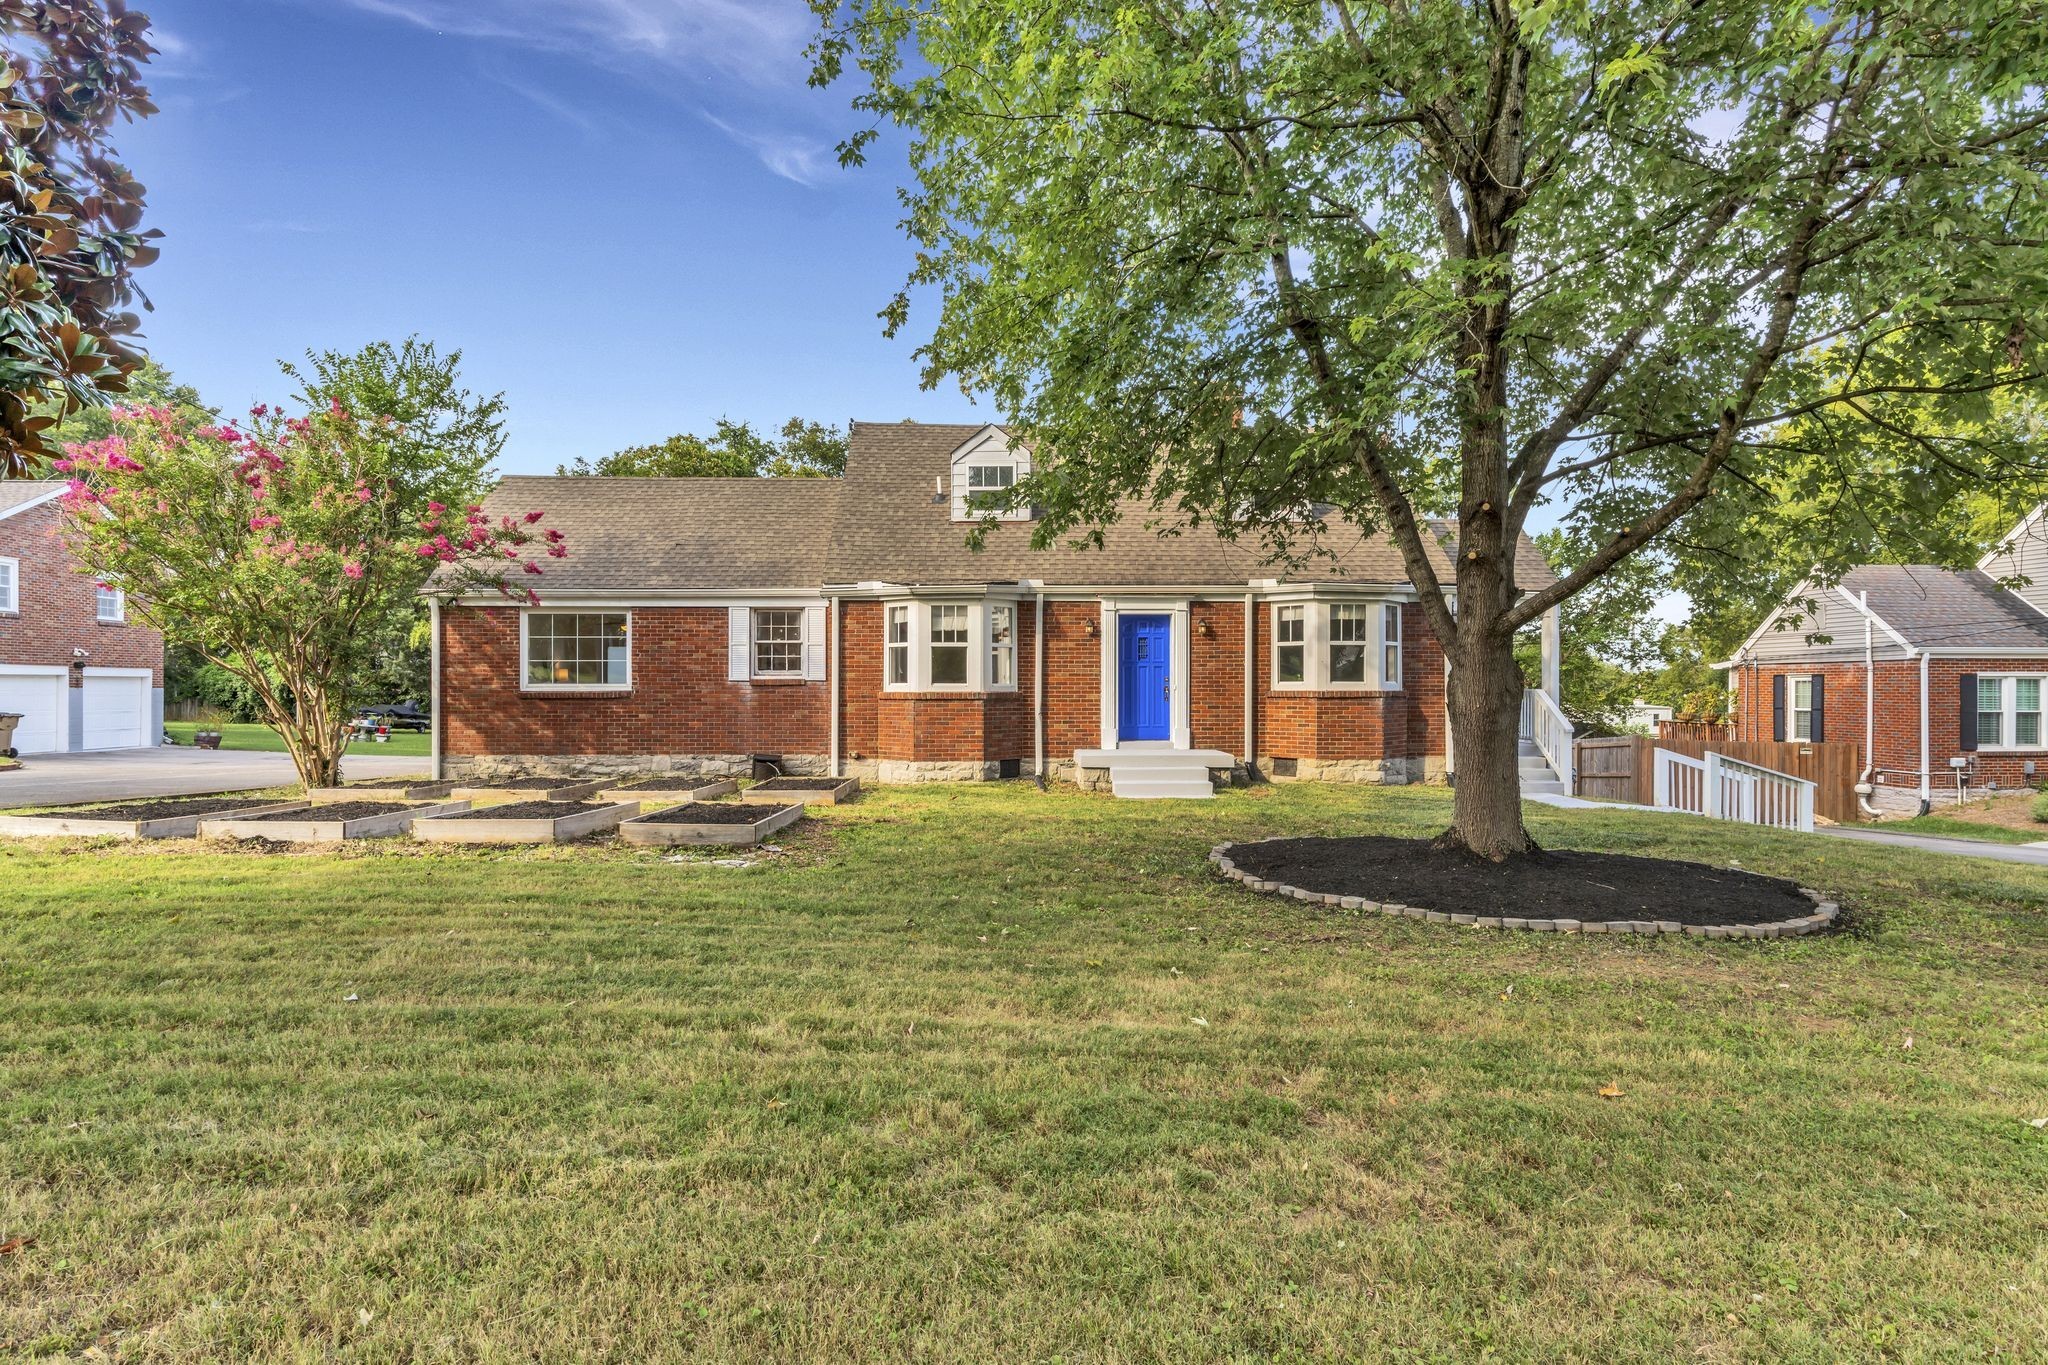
(126, 774)
(1927, 843)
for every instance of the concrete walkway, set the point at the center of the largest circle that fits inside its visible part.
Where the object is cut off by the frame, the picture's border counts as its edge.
(125, 774)
(1960, 848)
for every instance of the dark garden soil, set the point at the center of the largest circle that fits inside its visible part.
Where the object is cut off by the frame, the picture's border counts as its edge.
(156, 810)
(524, 810)
(523, 784)
(1589, 887)
(797, 784)
(341, 810)
(386, 784)
(660, 784)
(705, 813)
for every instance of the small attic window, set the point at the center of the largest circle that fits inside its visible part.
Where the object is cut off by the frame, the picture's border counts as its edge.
(984, 471)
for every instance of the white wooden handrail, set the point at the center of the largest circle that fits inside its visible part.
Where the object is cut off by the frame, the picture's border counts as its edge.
(1727, 788)
(1552, 734)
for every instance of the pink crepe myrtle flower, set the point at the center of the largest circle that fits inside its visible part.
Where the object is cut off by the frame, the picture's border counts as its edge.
(532, 517)
(264, 523)
(558, 552)
(352, 569)
(532, 567)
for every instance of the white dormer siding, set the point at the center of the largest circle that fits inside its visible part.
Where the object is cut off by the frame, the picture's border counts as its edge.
(988, 463)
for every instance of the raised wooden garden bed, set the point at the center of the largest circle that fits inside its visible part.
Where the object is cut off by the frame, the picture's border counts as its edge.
(326, 823)
(524, 822)
(668, 789)
(526, 789)
(704, 824)
(812, 791)
(168, 819)
(385, 789)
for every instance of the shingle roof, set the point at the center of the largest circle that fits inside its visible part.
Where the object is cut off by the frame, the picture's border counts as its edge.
(670, 534)
(1938, 608)
(881, 523)
(18, 493)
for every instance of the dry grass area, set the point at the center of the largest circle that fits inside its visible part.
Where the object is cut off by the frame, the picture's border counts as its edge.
(984, 1074)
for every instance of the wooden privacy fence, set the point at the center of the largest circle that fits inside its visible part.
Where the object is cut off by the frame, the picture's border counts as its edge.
(1619, 768)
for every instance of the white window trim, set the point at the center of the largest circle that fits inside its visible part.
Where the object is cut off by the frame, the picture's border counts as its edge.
(120, 616)
(2009, 714)
(990, 447)
(525, 637)
(11, 606)
(1316, 651)
(978, 649)
(1793, 710)
(908, 644)
(754, 642)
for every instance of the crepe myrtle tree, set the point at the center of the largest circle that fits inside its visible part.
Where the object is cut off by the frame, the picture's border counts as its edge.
(278, 546)
(71, 232)
(1235, 259)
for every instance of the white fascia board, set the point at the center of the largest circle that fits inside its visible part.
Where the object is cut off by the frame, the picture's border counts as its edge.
(48, 497)
(1982, 652)
(611, 597)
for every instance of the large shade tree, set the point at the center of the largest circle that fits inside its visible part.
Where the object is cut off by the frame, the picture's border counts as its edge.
(1239, 255)
(70, 215)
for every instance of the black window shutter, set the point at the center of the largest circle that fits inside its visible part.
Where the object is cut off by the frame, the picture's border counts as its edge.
(1818, 707)
(1778, 707)
(1969, 716)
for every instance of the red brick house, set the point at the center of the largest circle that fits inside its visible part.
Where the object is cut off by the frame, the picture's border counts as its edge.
(844, 625)
(1938, 674)
(71, 663)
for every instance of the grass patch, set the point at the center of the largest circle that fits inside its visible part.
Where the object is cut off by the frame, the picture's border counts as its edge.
(979, 1073)
(263, 739)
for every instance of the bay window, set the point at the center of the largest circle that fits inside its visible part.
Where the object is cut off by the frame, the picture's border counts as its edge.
(1341, 645)
(1290, 644)
(949, 646)
(1002, 645)
(897, 642)
(1350, 628)
(1390, 645)
(577, 649)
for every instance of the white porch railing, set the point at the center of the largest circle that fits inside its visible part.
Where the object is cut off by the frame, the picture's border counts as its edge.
(1552, 734)
(1726, 788)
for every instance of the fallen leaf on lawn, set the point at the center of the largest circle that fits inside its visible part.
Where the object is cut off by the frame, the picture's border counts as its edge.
(1508, 992)
(1908, 1044)
(1198, 1021)
(2038, 1123)
(1611, 1091)
(350, 998)
(14, 1246)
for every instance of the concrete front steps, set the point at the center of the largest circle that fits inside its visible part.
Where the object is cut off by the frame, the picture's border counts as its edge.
(1538, 777)
(1157, 774)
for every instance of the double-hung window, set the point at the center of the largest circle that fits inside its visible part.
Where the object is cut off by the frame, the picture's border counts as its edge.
(1390, 645)
(2008, 712)
(10, 585)
(1800, 704)
(1290, 644)
(577, 649)
(111, 604)
(986, 485)
(1002, 645)
(1350, 636)
(898, 647)
(778, 642)
(949, 646)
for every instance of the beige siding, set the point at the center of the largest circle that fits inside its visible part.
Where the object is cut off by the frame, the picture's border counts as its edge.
(2025, 555)
(1831, 617)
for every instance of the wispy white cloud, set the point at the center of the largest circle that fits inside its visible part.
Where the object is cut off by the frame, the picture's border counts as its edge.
(792, 156)
(568, 111)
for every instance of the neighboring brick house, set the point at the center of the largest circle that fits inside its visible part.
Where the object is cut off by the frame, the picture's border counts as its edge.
(845, 625)
(78, 672)
(1936, 674)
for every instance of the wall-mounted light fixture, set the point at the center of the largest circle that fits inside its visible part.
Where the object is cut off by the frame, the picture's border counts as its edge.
(1088, 628)
(1203, 629)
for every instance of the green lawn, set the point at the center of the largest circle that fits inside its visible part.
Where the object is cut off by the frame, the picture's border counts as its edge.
(982, 1074)
(402, 744)
(1947, 828)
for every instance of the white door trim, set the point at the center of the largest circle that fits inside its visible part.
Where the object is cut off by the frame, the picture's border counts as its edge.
(1177, 612)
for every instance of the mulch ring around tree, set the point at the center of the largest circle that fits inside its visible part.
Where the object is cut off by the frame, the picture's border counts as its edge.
(526, 810)
(158, 810)
(1564, 891)
(338, 810)
(707, 813)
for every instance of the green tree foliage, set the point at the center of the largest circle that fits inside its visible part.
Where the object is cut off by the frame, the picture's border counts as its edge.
(287, 550)
(803, 449)
(1610, 639)
(1465, 259)
(70, 238)
(151, 386)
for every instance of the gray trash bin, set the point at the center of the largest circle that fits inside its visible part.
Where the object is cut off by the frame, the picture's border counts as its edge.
(8, 720)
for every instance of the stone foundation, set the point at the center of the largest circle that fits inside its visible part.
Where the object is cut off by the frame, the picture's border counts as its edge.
(1379, 772)
(621, 765)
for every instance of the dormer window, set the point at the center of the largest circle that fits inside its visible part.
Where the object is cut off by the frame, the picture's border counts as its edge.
(985, 469)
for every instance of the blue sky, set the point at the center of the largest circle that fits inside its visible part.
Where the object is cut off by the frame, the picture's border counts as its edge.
(626, 213)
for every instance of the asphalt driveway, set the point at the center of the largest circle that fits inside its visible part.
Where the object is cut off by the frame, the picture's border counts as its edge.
(122, 774)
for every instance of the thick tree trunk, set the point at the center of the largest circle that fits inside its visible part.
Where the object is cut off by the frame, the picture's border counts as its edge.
(1485, 694)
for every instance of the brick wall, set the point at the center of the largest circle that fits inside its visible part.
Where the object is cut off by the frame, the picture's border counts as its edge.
(59, 607)
(680, 702)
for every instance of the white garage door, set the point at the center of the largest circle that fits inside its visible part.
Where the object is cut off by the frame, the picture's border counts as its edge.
(116, 711)
(44, 706)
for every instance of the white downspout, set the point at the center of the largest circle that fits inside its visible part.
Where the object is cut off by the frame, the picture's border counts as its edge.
(1863, 787)
(434, 687)
(1251, 679)
(1926, 748)
(832, 681)
(1038, 688)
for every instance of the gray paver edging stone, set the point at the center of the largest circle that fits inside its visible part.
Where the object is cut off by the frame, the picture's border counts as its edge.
(1825, 911)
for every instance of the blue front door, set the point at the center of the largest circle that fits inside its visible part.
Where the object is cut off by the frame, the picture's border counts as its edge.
(1144, 678)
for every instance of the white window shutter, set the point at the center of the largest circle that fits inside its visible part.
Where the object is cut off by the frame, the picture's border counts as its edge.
(814, 644)
(739, 644)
